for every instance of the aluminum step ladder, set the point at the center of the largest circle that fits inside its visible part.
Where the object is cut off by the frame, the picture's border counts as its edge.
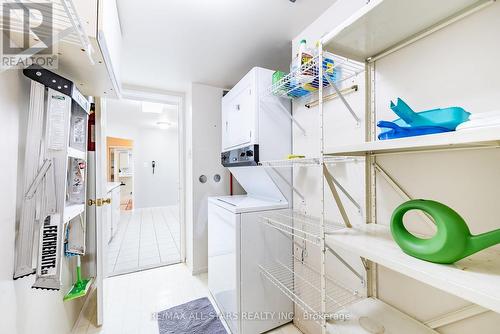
(52, 221)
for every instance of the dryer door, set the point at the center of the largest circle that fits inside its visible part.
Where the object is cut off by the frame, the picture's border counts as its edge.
(239, 117)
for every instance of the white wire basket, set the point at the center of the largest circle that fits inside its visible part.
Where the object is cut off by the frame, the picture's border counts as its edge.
(302, 284)
(298, 225)
(305, 81)
(65, 23)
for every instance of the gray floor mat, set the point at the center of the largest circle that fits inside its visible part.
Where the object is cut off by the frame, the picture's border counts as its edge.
(195, 317)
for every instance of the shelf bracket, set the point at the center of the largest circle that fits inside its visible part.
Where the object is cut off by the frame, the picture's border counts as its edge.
(403, 193)
(347, 265)
(347, 194)
(455, 316)
(342, 98)
(333, 189)
(365, 263)
(287, 113)
(289, 184)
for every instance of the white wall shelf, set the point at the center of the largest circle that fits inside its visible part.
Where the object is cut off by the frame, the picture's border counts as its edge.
(91, 79)
(464, 139)
(475, 278)
(382, 25)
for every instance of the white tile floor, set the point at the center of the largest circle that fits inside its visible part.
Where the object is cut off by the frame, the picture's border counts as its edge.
(132, 299)
(145, 238)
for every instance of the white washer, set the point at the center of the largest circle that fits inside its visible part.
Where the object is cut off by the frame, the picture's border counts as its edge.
(237, 244)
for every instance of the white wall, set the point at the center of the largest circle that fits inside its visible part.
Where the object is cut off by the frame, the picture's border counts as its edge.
(454, 66)
(203, 145)
(126, 120)
(22, 309)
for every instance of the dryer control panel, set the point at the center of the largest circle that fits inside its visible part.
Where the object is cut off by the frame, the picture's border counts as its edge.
(244, 156)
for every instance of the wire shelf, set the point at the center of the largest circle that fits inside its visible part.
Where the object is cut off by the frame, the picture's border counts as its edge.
(307, 162)
(298, 225)
(301, 83)
(303, 287)
(66, 25)
(336, 160)
(299, 162)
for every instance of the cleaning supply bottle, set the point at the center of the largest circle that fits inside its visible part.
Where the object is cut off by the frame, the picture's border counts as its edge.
(304, 55)
(301, 77)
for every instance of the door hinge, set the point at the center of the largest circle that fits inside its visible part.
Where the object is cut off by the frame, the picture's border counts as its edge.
(99, 201)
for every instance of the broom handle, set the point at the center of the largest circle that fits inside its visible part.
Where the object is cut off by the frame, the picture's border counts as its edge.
(78, 268)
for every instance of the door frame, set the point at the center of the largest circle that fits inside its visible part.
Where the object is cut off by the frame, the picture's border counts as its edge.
(140, 94)
(117, 179)
(172, 98)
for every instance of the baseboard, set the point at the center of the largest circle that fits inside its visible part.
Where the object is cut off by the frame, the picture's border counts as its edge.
(199, 271)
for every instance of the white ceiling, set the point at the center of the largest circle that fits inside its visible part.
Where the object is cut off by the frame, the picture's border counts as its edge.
(130, 112)
(169, 43)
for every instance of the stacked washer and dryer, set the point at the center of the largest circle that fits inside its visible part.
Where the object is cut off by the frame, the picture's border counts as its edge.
(253, 130)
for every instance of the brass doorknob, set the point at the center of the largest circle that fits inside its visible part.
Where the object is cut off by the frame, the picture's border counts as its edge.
(99, 201)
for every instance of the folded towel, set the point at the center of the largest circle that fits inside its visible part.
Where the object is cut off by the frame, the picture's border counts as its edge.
(487, 114)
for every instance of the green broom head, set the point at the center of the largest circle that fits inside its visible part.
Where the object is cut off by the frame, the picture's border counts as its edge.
(80, 288)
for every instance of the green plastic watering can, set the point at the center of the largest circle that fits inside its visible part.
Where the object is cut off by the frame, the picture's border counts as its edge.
(452, 241)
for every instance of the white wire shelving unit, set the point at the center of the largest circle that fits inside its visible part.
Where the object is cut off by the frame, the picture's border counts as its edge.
(311, 289)
(359, 42)
(367, 37)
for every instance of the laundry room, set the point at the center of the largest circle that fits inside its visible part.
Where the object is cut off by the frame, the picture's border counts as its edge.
(231, 167)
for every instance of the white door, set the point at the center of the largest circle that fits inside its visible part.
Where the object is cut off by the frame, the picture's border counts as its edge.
(101, 215)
